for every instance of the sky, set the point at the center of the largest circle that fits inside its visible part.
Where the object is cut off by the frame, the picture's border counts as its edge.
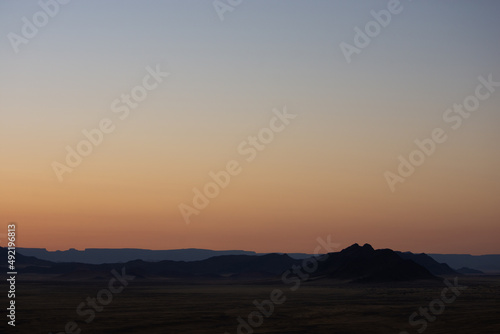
(202, 78)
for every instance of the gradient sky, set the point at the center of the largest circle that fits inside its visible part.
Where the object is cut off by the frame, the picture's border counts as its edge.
(323, 175)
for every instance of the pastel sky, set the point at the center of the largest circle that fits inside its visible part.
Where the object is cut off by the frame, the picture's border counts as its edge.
(322, 175)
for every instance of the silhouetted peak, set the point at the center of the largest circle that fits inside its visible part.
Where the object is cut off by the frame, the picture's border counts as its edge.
(356, 248)
(368, 247)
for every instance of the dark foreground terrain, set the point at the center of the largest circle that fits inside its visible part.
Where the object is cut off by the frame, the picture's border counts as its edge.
(146, 306)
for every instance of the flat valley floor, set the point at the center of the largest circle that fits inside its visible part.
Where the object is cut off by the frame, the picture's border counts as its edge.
(159, 307)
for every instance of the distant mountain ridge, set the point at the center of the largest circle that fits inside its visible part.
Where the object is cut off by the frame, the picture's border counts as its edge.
(118, 255)
(443, 264)
(469, 271)
(356, 263)
(429, 263)
(486, 263)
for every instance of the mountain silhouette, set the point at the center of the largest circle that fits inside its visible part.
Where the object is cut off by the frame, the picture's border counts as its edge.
(109, 255)
(489, 263)
(352, 264)
(437, 264)
(429, 263)
(364, 264)
(469, 271)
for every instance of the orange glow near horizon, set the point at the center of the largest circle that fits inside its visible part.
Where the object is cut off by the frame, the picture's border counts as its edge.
(320, 173)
